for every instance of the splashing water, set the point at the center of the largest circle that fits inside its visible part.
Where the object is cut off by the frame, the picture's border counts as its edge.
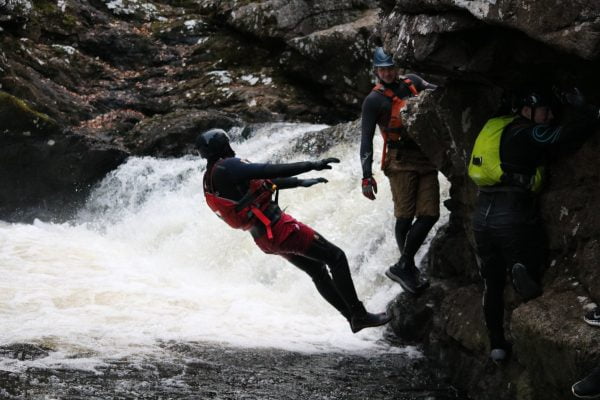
(146, 261)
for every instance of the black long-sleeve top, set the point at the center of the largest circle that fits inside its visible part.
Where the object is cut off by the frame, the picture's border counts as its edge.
(524, 144)
(231, 176)
(376, 110)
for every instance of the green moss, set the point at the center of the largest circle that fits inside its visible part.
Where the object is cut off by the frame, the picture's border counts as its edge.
(47, 12)
(158, 26)
(45, 7)
(18, 116)
(69, 21)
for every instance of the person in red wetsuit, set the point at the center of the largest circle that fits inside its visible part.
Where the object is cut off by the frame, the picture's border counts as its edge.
(241, 194)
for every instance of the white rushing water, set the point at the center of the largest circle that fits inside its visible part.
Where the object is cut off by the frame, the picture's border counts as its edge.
(146, 261)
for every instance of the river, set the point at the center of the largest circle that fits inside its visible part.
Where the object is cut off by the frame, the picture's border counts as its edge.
(145, 289)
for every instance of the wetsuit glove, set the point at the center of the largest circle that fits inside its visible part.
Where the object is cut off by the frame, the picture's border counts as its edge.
(572, 97)
(312, 181)
(369, 188)
(575, 98)
(324, 164)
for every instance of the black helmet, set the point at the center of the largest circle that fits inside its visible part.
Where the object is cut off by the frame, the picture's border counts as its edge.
(382, 59)
(214, 143)
(535, 98)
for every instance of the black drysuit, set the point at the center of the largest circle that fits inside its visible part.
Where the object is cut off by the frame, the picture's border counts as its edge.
(505, 222)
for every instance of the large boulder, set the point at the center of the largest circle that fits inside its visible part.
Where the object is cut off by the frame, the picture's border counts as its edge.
(175, 133)
(44, 171)
(482, 52)
(571, 26)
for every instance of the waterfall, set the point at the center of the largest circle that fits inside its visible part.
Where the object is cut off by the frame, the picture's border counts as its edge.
(145, 261)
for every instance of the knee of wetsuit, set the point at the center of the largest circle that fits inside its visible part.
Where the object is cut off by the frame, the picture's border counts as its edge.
(493, 274)
(493, 286)
(320, 275)
(337, 256)
(327, 251)
(403, 222)
(428, 219)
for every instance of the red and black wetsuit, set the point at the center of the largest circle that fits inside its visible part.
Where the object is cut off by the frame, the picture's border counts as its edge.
(230, 178)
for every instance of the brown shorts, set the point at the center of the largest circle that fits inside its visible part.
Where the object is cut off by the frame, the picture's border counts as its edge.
(415, 193)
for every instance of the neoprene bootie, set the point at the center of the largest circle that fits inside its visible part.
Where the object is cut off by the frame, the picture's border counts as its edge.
(361, 318)
(588, 387)
(524, 284)
(407, 275)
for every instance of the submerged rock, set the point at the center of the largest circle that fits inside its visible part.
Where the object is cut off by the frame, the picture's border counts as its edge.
(203, 371)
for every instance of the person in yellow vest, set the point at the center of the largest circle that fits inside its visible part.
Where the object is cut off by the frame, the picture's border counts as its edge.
(413, 178)
(506, 164)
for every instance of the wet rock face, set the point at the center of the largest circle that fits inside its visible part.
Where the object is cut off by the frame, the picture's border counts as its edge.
(495, 43)
(571, 27)
(80, 60)
(147, 77)
(482, 52)
(45, 171)
(288, 19)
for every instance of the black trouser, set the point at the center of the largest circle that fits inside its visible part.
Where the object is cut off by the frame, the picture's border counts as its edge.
(337, 288)
(411, 235)
(507, 231)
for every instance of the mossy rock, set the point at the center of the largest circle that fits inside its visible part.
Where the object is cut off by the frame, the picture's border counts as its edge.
(18, 117)
(45, 7)
(50, 18)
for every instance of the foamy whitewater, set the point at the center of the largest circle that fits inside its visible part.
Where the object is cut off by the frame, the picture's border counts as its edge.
(146, 261)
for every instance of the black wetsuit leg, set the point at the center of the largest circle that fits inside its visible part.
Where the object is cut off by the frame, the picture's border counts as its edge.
(507, 231)
(417, 234)
(493, 272)
(401, 230)
(322, 280)
(325, 252)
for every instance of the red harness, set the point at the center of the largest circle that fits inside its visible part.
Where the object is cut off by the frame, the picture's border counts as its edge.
(394, 129)
(242, 214)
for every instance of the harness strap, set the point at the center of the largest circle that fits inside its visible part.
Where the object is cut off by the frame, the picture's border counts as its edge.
(522, 180)
(394, 129)
(247, 199)
(263, 218)
(384, 152)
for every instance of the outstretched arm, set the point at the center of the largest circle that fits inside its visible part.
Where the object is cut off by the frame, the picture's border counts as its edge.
(290, 183)
(243, 171)
(420, 83)
(579, 123)
(370, 113)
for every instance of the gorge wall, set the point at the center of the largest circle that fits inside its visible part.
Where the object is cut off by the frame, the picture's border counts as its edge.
(143, 78)
(84, 84)
(482, 51)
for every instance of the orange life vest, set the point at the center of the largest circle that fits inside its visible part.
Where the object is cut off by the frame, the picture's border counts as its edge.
(242, 214)
(393, 131)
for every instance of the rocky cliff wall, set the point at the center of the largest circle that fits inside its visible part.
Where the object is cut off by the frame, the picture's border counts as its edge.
(482, 51)
(144, 77)
(86, 83)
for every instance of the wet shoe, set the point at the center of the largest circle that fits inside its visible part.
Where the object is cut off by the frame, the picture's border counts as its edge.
(408, 276)
(588, 387)
(362, 319)
(593, 317)
(524, 283)
(501, 349)
(498, 355)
